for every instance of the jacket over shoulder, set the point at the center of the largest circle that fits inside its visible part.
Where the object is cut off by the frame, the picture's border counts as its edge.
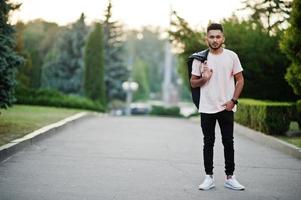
(202, 57)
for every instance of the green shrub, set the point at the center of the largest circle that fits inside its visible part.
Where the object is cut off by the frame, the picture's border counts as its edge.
(162, 111)
(298, 112)
(48, 97)
(265, 116)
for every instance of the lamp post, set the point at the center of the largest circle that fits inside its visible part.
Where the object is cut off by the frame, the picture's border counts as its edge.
(130, 87)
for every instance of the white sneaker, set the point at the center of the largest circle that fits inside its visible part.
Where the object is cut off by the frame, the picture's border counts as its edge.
(233, 184)
(208, 183)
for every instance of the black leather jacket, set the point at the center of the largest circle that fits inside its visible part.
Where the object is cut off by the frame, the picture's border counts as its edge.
(195, 92)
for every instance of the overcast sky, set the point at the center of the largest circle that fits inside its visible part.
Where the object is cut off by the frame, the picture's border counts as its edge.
(132, 13)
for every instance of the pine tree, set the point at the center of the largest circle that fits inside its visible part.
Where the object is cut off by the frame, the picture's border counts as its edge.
(115, 67)
(9, 60)
(291, 45)
(94, 66)
(65, 68)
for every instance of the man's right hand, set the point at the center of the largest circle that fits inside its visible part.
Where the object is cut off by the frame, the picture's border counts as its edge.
(207, 73)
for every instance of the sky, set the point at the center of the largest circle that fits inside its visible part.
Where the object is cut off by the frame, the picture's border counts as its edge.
(132, 13)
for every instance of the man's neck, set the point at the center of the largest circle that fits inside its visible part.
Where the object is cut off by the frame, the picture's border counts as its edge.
(216, 51)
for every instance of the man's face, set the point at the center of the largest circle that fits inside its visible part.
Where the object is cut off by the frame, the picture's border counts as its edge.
(215, 39)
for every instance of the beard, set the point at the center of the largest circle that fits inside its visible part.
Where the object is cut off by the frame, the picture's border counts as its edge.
(215, 47)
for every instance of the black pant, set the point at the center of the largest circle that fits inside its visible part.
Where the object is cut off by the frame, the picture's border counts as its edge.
(226, 122)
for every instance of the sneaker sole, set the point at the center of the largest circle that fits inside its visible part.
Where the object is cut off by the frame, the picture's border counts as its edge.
(233, 188)
(207, 188)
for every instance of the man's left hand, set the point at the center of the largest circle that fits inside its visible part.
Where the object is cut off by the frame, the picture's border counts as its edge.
(229, 105)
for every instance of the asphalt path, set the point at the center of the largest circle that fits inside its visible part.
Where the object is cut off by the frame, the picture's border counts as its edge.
(142, 158)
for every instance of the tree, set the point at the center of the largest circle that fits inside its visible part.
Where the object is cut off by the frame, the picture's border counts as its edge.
(147, 48)
(94, 66)
(115, 64)
(263, 62)
(186, 41)
(291, 46)
(39, 38)
(64, 71)
(140, 72)
(270, 14)
(9, 59)
(24, 75)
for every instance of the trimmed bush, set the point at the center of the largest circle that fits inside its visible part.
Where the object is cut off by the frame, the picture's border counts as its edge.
(48, 97)
(162, 111)
(268, 117)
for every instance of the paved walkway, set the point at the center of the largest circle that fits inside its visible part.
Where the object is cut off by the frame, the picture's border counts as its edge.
(147, 158)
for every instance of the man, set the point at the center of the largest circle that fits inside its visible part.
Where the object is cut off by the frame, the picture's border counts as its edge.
(221, 81)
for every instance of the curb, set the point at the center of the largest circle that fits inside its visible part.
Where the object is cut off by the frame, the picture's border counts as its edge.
(269, 141)
(16, 145)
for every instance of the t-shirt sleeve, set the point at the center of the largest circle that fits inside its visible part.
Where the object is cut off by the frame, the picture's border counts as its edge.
(196, 68)
(236, 65)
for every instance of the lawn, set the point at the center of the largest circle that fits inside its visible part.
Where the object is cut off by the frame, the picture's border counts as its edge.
(295, 140)
(20, 120)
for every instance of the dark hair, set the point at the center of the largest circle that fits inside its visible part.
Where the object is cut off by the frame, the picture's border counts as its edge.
(215, 26)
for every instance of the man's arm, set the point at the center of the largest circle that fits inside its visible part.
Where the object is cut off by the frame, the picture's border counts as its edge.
(238, 88)
(239, 78)
(199, 81)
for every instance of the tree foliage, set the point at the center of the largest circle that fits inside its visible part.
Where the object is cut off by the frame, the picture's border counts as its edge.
(39, 38)
(64, 69)
(140, 72)
(24, 74)
(9, 59)
(271, 14)
(146, 48)
(115, 65)
(186, 41)
(263, 62)
(94, 66)
(291, 45)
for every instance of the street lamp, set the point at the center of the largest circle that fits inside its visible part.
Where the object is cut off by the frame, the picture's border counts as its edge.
(130, 87)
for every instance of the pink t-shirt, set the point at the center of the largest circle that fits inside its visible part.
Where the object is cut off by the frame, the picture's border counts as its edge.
(220, 88)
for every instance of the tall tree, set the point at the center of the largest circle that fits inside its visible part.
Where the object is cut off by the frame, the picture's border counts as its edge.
(65, 71)
(9, 60)
(291, 45)
(270, 14)
(115, 64)
(94, 66)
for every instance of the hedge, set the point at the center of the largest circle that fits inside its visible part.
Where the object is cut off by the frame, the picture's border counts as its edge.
(48, 97)
(265, 116)
(162, 111)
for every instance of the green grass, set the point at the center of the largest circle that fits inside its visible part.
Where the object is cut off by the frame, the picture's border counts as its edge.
(295, 140)
(20, 120)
